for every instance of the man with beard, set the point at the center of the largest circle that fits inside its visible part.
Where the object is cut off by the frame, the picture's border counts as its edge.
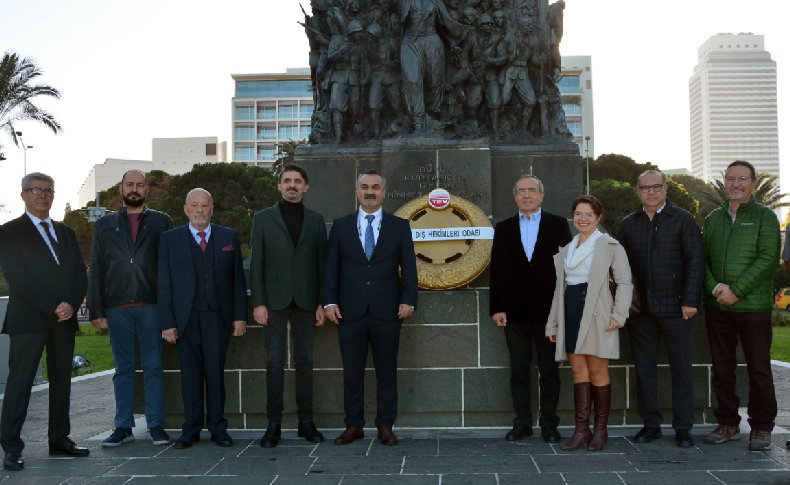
(122, 298)
(286, 260)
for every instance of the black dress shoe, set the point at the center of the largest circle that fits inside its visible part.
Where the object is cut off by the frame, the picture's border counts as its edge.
(65, 446)
(519, 432)
(550, 434)
(683, 439)
(13, 461)
(185, 441)
(272, 436)
(307, 431)
(647, 435)
(222, 439)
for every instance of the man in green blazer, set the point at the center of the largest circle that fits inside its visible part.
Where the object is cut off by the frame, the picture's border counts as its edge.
(288, 246)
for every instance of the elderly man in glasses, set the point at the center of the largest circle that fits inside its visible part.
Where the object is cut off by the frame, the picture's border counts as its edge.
(522, 289)
(664, 248)
(741, 255)
(47, 281)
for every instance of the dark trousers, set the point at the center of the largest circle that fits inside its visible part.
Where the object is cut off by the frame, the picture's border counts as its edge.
(519, 339)
(645, 332)
(755, 333)
(201, 355)
(24, 355)
(303, 333)
(383, 336)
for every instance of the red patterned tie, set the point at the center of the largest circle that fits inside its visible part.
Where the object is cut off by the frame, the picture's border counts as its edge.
(203, 242)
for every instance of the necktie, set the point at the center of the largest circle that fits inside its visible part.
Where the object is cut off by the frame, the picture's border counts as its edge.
(52, 241)
(203, 242)
(370, 243)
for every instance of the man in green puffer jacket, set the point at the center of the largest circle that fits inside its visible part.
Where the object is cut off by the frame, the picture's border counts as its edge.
(741, 254)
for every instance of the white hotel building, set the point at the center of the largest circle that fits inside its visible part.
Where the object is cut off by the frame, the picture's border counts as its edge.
(269, 109)
(733, 108)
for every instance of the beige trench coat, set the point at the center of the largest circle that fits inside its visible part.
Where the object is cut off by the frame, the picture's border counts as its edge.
(598, 308)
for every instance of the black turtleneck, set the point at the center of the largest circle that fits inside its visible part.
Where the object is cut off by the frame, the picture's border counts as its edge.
(293, 215)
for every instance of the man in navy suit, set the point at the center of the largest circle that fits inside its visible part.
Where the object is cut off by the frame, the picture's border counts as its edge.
(202, 299)
(364, 297)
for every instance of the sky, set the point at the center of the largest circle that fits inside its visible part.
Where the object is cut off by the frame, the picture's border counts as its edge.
(133, 71)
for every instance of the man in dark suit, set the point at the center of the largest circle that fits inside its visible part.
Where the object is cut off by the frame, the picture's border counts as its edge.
(364, 297)
(47, 280)
(202, 300)
(286, 261)
(522, 288)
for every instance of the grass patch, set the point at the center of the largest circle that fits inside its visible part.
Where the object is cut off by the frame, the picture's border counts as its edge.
(780, 350)
(95, 347)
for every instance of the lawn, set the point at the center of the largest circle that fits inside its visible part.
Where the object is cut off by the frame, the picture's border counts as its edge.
(780, 350)
(95, 347)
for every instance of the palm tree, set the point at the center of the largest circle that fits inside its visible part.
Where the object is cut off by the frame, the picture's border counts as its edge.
(17, 93)
(285, 154)
(766, 192)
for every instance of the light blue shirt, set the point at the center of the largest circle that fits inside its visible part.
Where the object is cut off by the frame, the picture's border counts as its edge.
(362, 225)
(195, 232)
(37, 222)
(529, 227)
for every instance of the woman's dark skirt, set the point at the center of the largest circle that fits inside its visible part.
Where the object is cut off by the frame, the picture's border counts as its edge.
(574, 308)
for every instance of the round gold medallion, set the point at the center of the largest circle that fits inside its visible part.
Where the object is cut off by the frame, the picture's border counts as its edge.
(452, 239)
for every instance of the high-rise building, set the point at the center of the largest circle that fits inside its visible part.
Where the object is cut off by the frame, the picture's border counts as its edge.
(576, 85)
(732, 97)
(267, 110)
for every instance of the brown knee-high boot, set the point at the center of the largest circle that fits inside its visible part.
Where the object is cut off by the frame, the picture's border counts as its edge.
(582, 394)
(602, 397)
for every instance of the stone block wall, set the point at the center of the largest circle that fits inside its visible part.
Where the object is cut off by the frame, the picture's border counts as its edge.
(453, 373)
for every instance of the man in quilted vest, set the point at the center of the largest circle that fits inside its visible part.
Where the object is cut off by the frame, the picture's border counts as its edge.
(741, 254)
(664, 248)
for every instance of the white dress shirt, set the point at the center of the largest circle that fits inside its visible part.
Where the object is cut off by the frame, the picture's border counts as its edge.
(362, 225)
(37, 222)
(195, 232)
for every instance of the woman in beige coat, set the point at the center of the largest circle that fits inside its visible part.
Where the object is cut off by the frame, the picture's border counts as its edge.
(585, 319)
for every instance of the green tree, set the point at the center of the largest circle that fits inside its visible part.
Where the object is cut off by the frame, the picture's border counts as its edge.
(285, 155)
(3, 284)
(83, 230)
(619, 168)
(681, 198)
(697, 188)
(619, 199)
(238, 191)
(17, 91)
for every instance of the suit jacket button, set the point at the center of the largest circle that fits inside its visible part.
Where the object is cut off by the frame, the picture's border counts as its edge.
(368, 282)
(294, 274)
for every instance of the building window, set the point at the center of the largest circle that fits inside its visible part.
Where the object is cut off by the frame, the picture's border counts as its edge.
(267, 112)
(245, 133)
(589, 84)
(245, 113)
(273, 89)
(575, 127)
(570, 84)
(288, 132)
(211, 148)
(572, 109)
(244, 153)
(306, 111)
(288, 111)
(267, 152)
(267, 132)
(304, 132)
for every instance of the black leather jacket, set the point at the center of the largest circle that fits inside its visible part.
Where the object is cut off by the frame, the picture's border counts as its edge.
(666, 257)
(121, 271)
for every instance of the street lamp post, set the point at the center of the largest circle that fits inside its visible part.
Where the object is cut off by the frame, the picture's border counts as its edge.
(587, 156)
(25, 147)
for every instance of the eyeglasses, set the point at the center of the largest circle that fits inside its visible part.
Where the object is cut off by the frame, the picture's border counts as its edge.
(38, 191)
(523, 192)
(651, 188)
(739, 179)
(586, 215)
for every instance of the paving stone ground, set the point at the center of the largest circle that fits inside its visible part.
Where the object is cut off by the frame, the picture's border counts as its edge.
(446, 457)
